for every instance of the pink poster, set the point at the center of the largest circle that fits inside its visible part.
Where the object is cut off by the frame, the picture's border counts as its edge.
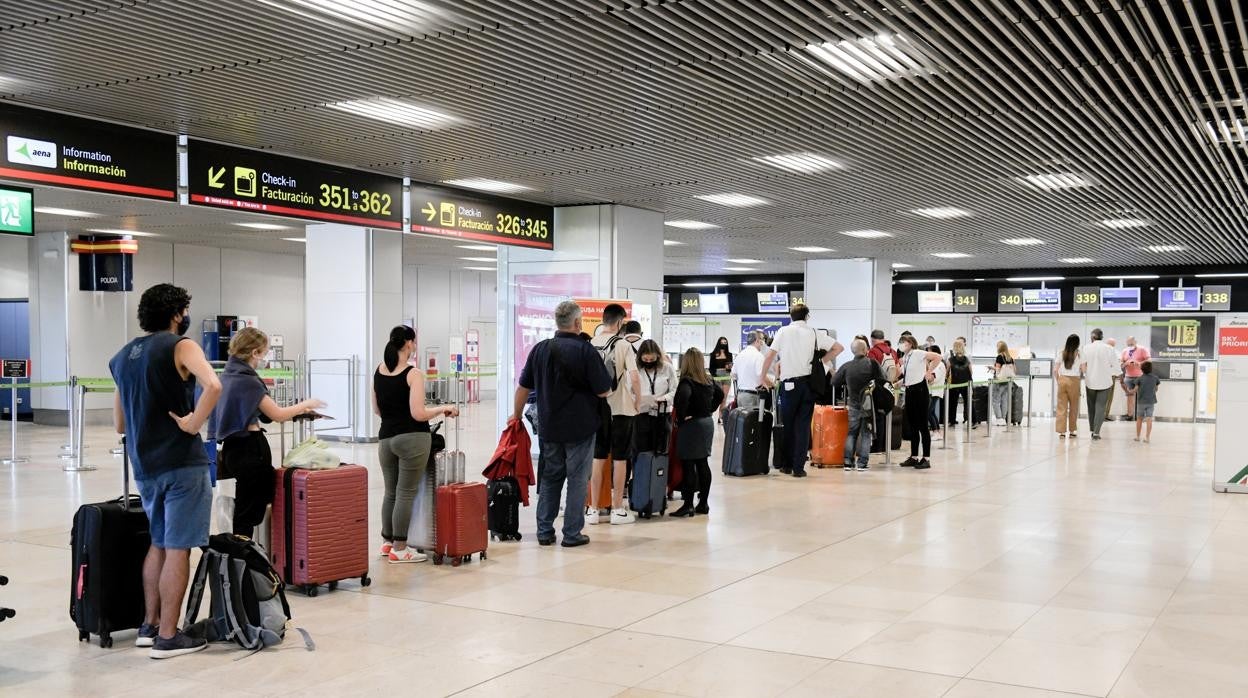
(537, 296)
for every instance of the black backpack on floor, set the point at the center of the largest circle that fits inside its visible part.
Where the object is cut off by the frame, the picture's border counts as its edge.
(248, 598)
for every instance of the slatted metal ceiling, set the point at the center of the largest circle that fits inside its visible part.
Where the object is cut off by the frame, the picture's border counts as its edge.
(924, 104)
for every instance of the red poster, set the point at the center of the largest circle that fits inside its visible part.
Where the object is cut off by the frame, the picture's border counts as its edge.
(592, 308)
(537, 296)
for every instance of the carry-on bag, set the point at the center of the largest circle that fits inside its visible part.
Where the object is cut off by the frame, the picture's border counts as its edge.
(747, 442)
(462, 527)
(441, 470)
(779, 456)
(648, 495)
(979, 404)
(504, 507)
(247, 604)
(108, 544)
(320, 526)
(828, 430)
(1016, 403)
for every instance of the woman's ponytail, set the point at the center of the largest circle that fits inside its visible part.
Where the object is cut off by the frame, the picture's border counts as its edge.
(398, 337)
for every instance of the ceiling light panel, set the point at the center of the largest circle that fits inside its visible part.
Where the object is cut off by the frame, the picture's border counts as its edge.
(744, 261)
(1124, 223)
(263, 226)
(1162, 249)
(490, 185)
(867, 234)
(690, 225)
(120, 231)
(396, 111)
(1023, 242)
(951, 255)
(738, 200)
(1055, 182)
(1076, 260)
(805, 163)
(872, 59)
(67, 212)
(478, 248)
(740, 269)
(812, 249)
(481, 268)
(672, 243)
(902, 265)
(942, 212)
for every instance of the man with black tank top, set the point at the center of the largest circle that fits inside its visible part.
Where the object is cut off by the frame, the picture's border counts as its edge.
(155, 408)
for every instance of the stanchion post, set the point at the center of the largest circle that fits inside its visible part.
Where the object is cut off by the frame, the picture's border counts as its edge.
(992, 407)
(77, 464)
(944, 425)
(13, 458)
(888, 431)
(71, 449)
(1031, 389)
(1009, 405)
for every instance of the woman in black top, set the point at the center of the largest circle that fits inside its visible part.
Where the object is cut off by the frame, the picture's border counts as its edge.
(960, 371)
(404, 440)
(721, 365)
(1003, 368)
(697, 398)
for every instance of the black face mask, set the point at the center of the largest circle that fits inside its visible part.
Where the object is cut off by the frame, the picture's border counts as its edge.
(648, 364)
(184, 325)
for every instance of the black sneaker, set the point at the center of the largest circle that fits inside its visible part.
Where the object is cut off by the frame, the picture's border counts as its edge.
(147, 635)
(785, 471)
(575, 541)
(910, 462)
(864, 467)
(799, 473)
(847, 466)
(922, 465)
(175, 646)
(546, 541)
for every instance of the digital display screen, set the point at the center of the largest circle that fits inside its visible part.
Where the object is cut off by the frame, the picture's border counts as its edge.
(773, 302)
(1178, 298)
(1120, 299)
(1042, 300)
(713, 302)
(935, 301)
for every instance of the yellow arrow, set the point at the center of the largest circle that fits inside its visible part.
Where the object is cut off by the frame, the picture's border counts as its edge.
(214, 178)
(429, 211)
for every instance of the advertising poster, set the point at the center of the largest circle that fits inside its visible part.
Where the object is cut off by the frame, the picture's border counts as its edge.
(1183, 337)
(767, 325)
(1231, 443)
(537, 296)
(591, 311)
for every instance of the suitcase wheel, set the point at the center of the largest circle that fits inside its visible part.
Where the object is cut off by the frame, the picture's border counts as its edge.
(106, 641)
(366, 581)
(483, 552)
(333, 586)
(456, 561)
(84, 636)
(437, 558)
(311, 591)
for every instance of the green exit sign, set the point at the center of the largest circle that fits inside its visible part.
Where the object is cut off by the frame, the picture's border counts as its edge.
(17, 211)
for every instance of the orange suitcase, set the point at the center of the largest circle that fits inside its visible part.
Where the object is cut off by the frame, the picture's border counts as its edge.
(602, 498)
(828, 430)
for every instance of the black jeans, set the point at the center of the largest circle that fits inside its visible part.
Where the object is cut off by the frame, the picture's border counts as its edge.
(917, 402)
(797, 407)
(956, 394)
(696, 478)
(250, 460)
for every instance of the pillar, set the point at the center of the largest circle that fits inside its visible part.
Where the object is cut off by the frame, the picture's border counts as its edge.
(848, 297)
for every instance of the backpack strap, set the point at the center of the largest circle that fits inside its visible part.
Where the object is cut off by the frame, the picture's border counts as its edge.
(196, 597)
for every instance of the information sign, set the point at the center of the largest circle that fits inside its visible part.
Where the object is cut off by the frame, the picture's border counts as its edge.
(16, 368)
(1215, 298)
(1009, 300)
(935, 301)
(966, 300)
(690, 302)
(471, 216)
(1087, 299)
(1042, 300)
(1120, 299)
(1178, 298)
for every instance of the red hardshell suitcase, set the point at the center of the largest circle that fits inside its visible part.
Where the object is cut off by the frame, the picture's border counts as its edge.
(321, 518)
(463, 522)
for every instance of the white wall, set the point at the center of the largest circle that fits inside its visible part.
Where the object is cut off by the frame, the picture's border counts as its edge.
(14, 262)
(444, 302)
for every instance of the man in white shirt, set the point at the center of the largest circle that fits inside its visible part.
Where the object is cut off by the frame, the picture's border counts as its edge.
(794, 346)
(1100, 363)
(747, 370)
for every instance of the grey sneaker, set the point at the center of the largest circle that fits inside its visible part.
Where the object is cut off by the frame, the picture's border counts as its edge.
(177, 645)
(147, 635)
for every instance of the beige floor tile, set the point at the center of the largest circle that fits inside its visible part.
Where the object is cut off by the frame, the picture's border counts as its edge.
(530, 682)
(622, 658)
(610, 608)
(706, 621)
(969, 688)
(736, 671)
(681, 580)
(812, 630)
(927, 647)
(1158, 676)
(522, 596)
(1054, 667)
(1112, 598)
(435, 676)
(849, 680)
(1067, 626)
(983, 615)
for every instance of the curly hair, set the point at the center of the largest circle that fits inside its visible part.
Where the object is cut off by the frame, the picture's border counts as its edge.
(159, 304)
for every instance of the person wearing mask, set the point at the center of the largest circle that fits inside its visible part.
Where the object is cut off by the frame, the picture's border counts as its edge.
(404, 440)
(918, 369)
(935, 411)
(855, 377)
(1068, 371)
(1145, 394)
(961, 370)
(658, 392)
(1133, 358)
(235, 424)
(570, 379)
(721, 366)
(794, 346)
(697, 399)
(155, 407)
(615, 436)
(1002, 369)
(747, 371)
(1100, 361)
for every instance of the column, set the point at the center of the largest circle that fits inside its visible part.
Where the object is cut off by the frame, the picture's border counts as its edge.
(354, 287)
(848, 297)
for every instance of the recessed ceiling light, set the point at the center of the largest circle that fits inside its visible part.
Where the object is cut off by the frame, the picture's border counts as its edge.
(1233, 275)
(1022, 242)
(479, 259)
(690, 225)
(942, 212)
(119, 231)
(866, 233)
(479, 248)
(740, 269)
(733, 199)
(1128, 277)
(950, 255)
(926, 281)
(1075, 260)
(482, 184)
(395, 111)
(704, 284)
(808, 163)
(1021, 279)
(295, 239)
(872, 59)
(811, 249)
(1161, 249)
(72, 213)
(672, 243)
(1053, 182)
(263, 226)
(481, 268)
(1228, 130)
(901, 265)
(744, 261)
(765, 283)
(1120, 223)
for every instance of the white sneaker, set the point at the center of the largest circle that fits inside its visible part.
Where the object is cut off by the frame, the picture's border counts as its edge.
(623, 516)
(385, 549)
(591, 516)
(408, 554)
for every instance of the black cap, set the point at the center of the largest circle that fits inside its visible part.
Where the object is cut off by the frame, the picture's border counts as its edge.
(877, 334)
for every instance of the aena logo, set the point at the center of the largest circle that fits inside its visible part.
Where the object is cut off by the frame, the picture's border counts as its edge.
(27, 151)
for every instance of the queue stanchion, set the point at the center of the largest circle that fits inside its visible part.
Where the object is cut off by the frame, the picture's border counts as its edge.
(13, 458)
(76, 465)
(944, 439)
(1031, 389)
(69, 451)
(992, 408)
(1009, 405)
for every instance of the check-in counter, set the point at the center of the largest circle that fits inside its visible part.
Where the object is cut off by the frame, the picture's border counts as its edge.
(1176, 397)
(1035, 377)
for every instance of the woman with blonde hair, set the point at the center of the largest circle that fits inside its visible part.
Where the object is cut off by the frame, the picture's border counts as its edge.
(697, 399)
(961, 371)
(235, 423)
(1002, 368)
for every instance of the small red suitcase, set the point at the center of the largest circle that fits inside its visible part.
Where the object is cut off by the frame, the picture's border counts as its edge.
(463, 522)
(320, 526)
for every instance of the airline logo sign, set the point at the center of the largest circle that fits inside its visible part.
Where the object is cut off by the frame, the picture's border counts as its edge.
(28, 151)
(1233, 341)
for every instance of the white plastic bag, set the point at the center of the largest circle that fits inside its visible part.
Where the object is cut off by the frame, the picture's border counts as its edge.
(312, 454)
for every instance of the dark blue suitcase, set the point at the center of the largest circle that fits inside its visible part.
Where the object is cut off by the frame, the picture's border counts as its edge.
(747, 442)
(648, 495)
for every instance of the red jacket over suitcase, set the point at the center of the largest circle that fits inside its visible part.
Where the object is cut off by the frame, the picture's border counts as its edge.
(463, 522)
(320, 526)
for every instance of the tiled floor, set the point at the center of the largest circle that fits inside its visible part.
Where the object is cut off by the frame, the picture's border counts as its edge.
(1020, 566)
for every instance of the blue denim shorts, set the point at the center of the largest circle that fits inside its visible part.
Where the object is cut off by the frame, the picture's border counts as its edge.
(1144, 411)
(179, 507)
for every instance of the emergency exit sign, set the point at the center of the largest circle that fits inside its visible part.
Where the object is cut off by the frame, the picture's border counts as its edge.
(17, 211)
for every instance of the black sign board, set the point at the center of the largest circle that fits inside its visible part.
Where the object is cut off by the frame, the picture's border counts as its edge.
(16, 368)
(471, 216)
(113, 273)
(44, 147)
(223, 176)
(1184, 337)
(1215, 298)
(966, 300)
(1009, 300)
(1087, 299)
(690, 303)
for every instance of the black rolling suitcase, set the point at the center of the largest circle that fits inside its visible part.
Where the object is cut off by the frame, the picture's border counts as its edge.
(779, 455)
(747, 441)
(1016, 403)
(504, 508)
(108, 544)
(979, 404)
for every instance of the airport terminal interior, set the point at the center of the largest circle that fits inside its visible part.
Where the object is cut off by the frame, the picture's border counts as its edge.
(1029, 216)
